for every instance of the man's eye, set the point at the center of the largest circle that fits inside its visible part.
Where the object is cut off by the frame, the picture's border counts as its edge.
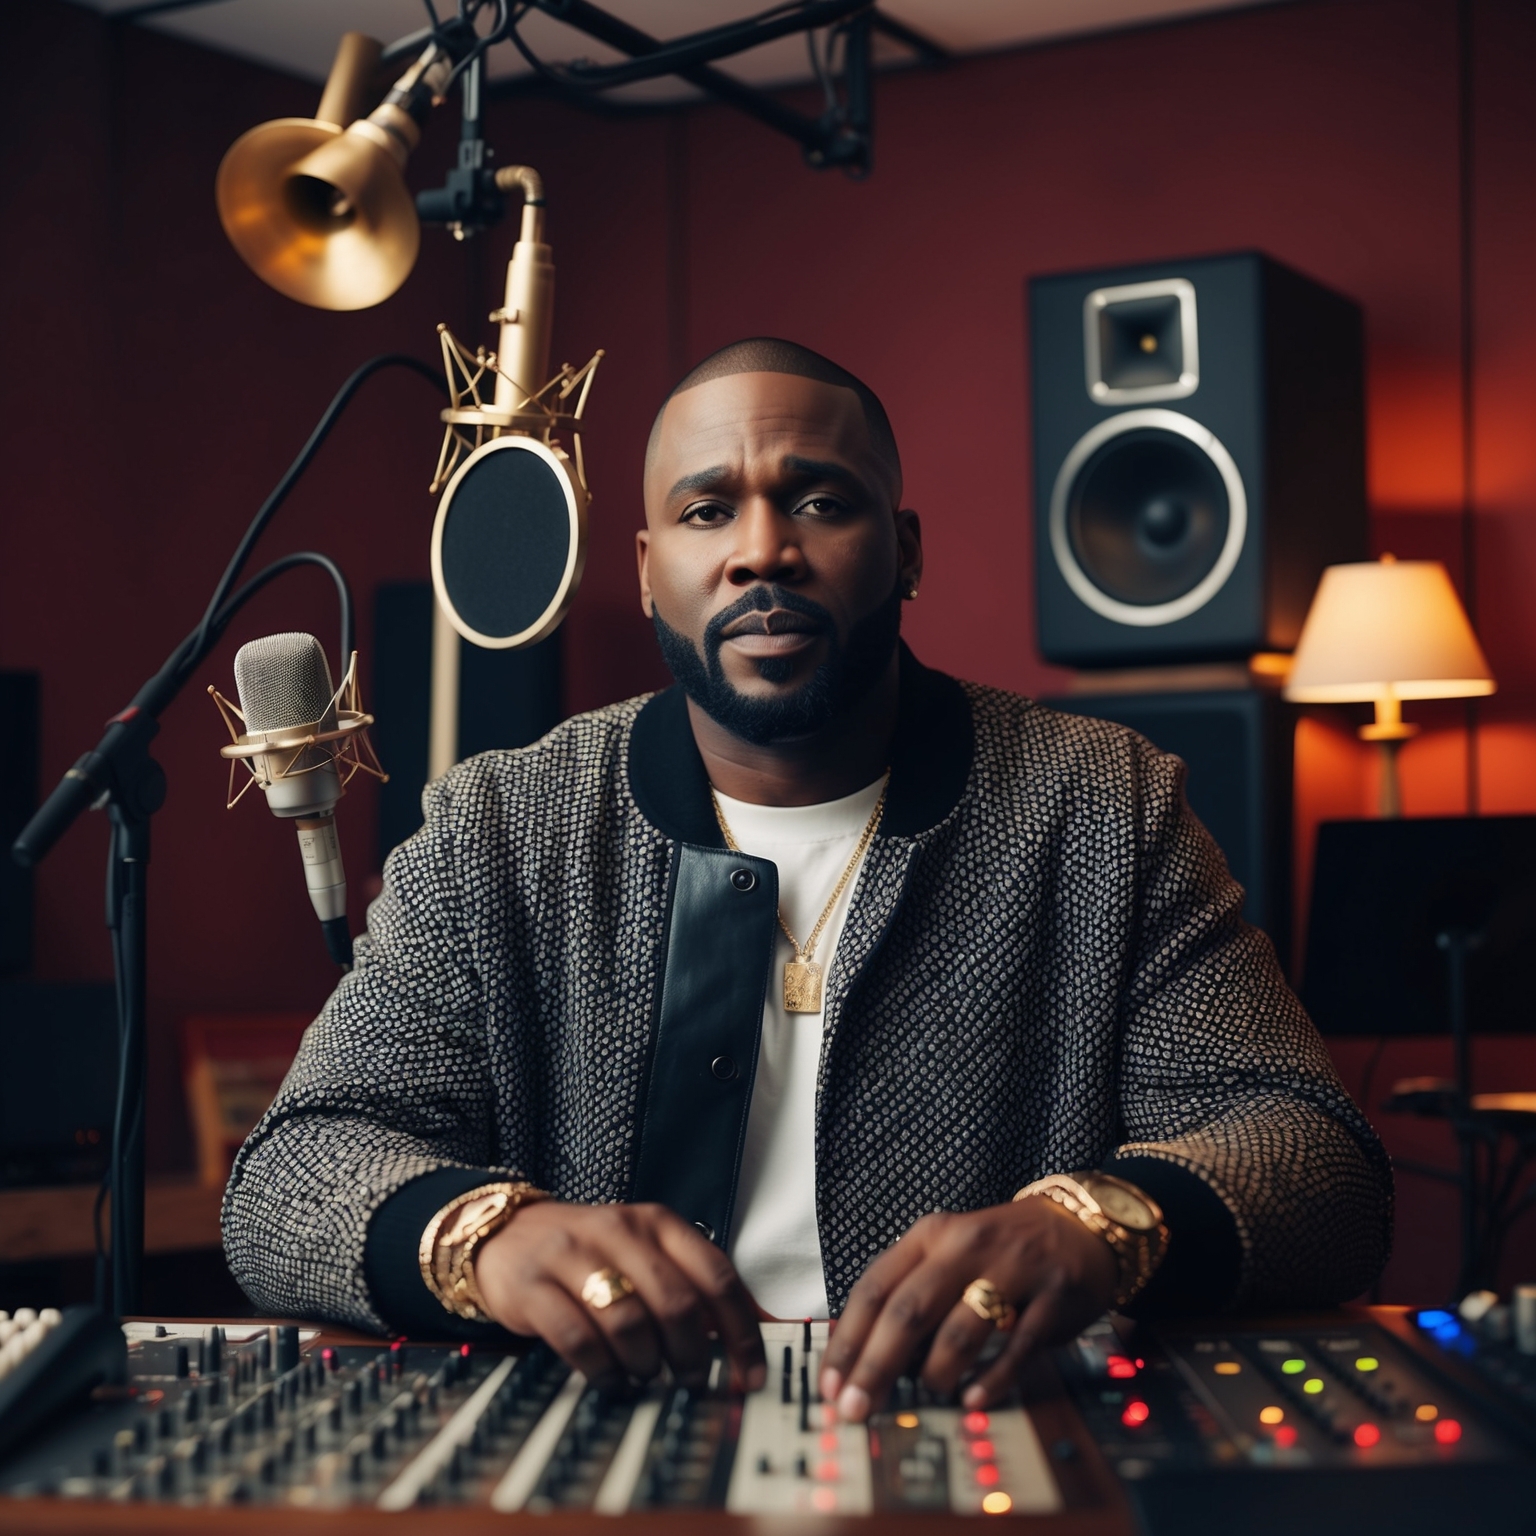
(823, 506)
(707, 514)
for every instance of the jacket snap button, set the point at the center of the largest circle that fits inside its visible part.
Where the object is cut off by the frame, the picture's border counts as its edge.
(743, 879)
(723, 1068)
(706, 1229)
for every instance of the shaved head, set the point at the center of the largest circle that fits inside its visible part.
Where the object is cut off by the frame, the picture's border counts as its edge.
(770, 354)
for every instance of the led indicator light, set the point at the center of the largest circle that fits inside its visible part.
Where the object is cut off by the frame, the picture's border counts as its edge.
(1228, 1368)
(1367, 1363)
(829, 1441)
(1271, 1415)
(972, 1423)
(825, 1499)
(1313, 1384)
(1366, 1435)
(1285, 1437)
(906, 1420)
(827, 1472)
(1447, 1431)
(1426, 1413)
(996, 1503)
(987, 1476)
(1121, 1370)
(1434, 1319)
(1293, 1367)
(1135, 1413)
(983, 1450)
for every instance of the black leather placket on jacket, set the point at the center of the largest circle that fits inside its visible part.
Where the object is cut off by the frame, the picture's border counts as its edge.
(721, 930)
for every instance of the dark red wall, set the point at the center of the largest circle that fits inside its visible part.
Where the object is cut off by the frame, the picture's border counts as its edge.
(153, 389)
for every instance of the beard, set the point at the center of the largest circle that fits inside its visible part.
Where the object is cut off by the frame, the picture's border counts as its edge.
(848, 672)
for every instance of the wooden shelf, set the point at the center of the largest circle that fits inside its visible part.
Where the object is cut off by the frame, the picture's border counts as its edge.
(55, 1222)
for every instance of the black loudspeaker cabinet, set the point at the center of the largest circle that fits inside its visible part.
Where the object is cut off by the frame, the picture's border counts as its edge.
(1199, 457)
(506, 699)
(19, 726)
(58, 1041)
(1238, 744)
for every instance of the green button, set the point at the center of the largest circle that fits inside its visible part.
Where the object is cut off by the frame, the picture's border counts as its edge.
(1312, 1384)
(1293, 1367)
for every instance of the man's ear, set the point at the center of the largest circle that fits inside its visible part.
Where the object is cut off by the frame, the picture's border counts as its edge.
(642, 562)
(909, 547)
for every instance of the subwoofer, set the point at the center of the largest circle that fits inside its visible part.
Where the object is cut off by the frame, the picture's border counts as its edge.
(1199, 457)
(1238, 745)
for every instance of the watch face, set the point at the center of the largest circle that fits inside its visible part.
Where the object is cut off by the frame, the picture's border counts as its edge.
(1122, 1206)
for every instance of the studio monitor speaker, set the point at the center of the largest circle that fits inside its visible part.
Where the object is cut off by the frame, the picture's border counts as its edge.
(1199, 457)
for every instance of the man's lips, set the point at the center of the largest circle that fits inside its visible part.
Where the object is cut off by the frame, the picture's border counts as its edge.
(774, 622)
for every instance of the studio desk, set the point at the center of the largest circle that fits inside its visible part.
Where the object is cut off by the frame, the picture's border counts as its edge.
(1349, 1422)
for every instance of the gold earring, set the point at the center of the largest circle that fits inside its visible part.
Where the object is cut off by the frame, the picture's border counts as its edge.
(911, 591)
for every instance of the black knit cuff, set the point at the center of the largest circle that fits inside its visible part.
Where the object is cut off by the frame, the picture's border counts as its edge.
(391, 1261)
(1204, 1262)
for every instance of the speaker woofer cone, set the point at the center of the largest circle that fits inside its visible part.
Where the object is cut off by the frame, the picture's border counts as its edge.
(1148, 517)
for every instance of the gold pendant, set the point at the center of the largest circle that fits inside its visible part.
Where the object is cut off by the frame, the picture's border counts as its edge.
(802, 987)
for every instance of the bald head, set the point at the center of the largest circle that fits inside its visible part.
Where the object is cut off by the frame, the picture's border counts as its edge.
(769, 354)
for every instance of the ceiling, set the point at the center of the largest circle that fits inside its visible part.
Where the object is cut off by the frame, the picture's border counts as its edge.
(299, 36)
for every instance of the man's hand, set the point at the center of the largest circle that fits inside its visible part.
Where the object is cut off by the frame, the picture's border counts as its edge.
(1054, 1269)
(530, 1275)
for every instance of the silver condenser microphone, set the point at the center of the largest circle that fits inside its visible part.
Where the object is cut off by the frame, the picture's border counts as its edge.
(286, 697)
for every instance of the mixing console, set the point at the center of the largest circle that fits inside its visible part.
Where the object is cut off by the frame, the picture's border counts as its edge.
(278, 1419)
(1322, 1426)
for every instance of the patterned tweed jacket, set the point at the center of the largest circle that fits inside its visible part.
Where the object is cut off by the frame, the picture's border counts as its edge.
(1043, 968)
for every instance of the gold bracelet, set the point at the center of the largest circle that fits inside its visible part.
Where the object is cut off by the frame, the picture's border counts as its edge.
(1126, 1217)
(454, 1235)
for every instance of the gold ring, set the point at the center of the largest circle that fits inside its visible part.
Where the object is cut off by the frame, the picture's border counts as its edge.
(603, 1287)
(989, 1304)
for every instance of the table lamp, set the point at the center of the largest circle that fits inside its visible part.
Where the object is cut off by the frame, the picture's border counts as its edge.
(1383, 631)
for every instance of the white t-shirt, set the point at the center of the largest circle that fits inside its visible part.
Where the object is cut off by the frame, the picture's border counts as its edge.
(775, 1245)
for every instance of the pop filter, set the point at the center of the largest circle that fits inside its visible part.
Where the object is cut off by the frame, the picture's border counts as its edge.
(509, 542)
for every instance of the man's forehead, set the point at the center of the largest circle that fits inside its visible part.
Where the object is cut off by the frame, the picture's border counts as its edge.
(729, 416)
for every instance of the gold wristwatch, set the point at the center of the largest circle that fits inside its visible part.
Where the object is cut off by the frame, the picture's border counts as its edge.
(454, 1235)
(1128, 1219)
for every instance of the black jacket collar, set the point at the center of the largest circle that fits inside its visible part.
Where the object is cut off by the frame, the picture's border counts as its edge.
(930, 760)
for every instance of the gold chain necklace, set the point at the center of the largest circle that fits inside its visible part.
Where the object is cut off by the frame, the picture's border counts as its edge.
(802, 976)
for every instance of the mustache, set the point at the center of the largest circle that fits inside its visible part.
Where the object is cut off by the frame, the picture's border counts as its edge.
(764, 598)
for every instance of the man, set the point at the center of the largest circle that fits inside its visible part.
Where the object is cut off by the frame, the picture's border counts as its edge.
(812, 963)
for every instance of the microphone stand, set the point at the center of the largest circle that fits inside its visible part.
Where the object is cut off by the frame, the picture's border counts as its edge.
(120, 776)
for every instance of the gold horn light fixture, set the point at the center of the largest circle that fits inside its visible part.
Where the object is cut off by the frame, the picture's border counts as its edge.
(1382, 631)
(318, 207)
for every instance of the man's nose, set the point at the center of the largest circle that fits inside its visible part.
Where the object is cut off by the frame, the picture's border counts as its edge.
(767, 546)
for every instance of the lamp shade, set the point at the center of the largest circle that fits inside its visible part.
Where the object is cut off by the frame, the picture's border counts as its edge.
(1387, 629)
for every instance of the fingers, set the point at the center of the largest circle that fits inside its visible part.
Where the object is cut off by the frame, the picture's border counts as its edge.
(866, 1302)
(532, 1274)
(569, 1329)
(915, 1306)
(721, 1296)
(1041, 1321)
(1035, 1253)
